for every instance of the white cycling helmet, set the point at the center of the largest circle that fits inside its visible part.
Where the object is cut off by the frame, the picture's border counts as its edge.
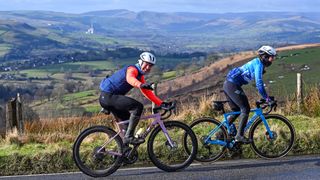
(147, 57)
(267, 49)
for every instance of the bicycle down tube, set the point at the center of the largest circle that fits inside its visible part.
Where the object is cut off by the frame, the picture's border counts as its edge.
(157, 120)
(257, 113)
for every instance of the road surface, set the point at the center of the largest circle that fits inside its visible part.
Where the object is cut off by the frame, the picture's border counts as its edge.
(297, 167)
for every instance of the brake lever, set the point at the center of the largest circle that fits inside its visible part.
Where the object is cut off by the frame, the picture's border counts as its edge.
(168, 110)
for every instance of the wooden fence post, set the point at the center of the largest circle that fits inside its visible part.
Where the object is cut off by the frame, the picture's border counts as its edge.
(299, 91)
(10, 115)
(20, 123)
(154, 86)
(2, 122)
(14, 115)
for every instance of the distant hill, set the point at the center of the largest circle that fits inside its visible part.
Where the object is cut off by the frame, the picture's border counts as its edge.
(24, 34)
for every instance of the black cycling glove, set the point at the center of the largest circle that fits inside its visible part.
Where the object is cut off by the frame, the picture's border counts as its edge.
(146, 86)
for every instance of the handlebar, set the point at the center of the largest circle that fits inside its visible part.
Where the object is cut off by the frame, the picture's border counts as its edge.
(167, 109)
(263, 104)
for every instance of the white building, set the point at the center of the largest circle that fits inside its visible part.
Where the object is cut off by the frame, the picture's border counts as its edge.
(90, 30)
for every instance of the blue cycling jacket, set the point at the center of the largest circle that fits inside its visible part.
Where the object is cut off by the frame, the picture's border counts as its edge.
(246, 73)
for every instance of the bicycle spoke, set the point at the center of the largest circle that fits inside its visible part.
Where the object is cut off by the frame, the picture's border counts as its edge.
(172, 156)
(97, 152)
(165, 152)
(206, 151)
(277, 145)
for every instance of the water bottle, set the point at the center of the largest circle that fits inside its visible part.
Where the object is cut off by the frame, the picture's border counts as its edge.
(139, 133)
(233, 130)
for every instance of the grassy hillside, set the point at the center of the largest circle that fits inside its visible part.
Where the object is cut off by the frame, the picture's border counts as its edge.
(86, 74)
(281, 77)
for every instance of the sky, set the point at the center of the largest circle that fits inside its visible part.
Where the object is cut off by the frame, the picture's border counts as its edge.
(202, 6)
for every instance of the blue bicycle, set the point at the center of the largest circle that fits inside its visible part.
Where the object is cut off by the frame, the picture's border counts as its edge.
(272, 135)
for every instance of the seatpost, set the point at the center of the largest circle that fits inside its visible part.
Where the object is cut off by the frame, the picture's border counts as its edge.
(223, 111)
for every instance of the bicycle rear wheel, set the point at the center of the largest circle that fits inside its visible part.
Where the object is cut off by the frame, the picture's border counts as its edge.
(93, 155)
(172, 158)
(209, 152)
(272, 147)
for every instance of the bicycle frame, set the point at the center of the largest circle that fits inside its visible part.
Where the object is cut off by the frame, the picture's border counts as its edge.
(257, 113)
(120, 132)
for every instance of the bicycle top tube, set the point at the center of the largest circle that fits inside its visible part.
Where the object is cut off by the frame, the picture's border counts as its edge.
(260, 106)
(258, 111)
(156, 117)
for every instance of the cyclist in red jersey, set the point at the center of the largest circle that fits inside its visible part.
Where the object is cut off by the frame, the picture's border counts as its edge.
(114, 88)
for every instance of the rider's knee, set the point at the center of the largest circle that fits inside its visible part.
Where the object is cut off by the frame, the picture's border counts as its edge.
(245, 110)
(138, 109)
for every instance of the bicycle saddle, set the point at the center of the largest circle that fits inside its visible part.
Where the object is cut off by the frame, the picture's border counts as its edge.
(218, 105)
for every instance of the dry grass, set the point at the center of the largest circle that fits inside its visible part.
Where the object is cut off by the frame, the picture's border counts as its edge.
(310, 106)
(55, 130)
(72, 125)
(189, 111)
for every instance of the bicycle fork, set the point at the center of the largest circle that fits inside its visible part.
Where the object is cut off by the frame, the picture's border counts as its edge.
(269, 132)
(166, 134)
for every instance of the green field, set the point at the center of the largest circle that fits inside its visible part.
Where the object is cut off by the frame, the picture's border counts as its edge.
(4, 48)
(76, 66)
(169, 74)
(55, 70)
(283, 71)
(80, 96)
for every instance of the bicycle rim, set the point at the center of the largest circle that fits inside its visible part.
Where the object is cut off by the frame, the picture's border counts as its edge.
(272, 147)
(208, 152)
(93, 156)
(172, 158)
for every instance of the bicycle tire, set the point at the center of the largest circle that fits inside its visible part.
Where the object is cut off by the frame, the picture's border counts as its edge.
(201, 127)
(261, 148)
(152, 146)
(81, 140)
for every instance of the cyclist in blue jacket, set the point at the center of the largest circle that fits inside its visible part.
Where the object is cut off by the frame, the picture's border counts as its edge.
(238, 101)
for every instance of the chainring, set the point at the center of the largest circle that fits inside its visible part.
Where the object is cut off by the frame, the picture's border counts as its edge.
(131, 156)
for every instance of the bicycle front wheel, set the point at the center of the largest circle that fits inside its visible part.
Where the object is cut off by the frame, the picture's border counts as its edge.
(202, 127)
(172, 157)
(98, 151)
(272, 147)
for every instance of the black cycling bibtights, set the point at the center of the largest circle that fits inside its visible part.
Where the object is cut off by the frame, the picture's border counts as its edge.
(238, 101)
(121, 106)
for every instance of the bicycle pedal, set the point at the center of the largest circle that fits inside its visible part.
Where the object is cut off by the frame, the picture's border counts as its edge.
(126, 150)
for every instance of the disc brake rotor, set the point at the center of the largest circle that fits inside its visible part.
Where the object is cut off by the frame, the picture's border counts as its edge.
(172, 148)
(275, 136)
(99, 153)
